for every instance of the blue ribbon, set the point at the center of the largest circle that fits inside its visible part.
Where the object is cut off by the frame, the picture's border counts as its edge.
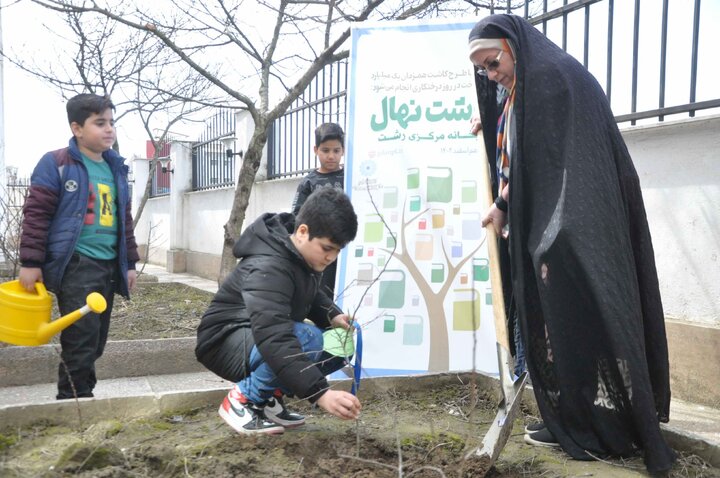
(357, 366)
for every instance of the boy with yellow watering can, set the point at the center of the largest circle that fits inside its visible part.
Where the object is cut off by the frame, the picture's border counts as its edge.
(77, 235)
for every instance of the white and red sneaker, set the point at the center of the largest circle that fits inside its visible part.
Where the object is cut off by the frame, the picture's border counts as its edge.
(245, 417)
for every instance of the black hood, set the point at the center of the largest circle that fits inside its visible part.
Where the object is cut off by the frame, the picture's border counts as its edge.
(269, 235)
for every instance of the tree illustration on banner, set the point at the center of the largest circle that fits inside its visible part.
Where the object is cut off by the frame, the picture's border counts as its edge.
(434, 241)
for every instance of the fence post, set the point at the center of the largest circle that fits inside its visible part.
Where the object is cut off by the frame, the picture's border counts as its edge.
(244, 127)
(180, 183)
(140, 174)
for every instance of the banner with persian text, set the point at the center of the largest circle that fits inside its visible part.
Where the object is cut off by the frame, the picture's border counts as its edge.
(417, 276)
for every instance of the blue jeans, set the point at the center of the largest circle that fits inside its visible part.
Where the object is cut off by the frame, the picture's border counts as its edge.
(262, 382)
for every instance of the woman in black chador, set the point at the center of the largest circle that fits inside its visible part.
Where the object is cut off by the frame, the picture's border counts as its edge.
(581, 258)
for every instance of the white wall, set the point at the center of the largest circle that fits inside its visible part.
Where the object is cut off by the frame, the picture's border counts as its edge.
(679, 168)
(155, 226)
(206, 212)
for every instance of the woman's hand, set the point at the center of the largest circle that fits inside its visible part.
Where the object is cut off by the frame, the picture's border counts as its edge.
(475, 125)
(498, 219)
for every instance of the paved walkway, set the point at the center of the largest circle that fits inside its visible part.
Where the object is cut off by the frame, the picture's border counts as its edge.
(692, 427)
(164, 276)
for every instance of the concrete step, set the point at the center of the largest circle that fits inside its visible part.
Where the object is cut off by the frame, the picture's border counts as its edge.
(122, 358)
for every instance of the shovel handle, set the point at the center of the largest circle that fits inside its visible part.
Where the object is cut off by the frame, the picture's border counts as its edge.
(498, 299)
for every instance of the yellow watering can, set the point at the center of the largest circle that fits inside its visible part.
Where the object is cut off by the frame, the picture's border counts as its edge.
(25, 316)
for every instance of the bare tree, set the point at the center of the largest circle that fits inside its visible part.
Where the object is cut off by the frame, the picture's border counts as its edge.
(144, 79)
(11, 202)
(237, 46)
(154, 98)
(275, 48)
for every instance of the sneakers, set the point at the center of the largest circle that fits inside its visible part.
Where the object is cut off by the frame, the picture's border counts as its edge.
(541, 438)
(534, 427)
(276, 412)
(244, 417)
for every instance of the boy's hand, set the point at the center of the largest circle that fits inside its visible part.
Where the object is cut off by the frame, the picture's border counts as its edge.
(132, 278)
(340, 404)
(29, 276)
(342, 321)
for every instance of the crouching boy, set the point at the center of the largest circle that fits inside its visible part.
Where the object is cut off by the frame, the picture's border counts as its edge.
(254, 332)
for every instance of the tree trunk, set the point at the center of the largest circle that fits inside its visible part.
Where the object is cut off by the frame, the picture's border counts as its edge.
(439, 357)
(245, 182)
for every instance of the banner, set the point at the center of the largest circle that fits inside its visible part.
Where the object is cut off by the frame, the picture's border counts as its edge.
(416, 277)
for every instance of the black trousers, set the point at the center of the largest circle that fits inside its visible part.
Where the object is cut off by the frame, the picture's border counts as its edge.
(84, 341)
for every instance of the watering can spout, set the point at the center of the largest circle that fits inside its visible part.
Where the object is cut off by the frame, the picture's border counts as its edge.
(95, 302)
(25, 316)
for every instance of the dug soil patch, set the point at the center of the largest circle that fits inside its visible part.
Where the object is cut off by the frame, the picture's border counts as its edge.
(422, 434)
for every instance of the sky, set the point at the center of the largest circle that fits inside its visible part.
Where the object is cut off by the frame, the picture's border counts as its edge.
(34, 112)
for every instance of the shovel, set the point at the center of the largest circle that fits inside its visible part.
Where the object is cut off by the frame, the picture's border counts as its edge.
(480, 460)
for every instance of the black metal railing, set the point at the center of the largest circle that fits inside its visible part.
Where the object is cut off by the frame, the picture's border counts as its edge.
(627, 107)
(291, 137)
(604, 24)
(211, 168)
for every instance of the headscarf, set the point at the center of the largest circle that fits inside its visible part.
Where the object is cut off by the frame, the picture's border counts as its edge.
(582, 263)
(505, 128)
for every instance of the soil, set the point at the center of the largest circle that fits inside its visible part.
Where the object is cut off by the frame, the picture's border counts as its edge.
(419, 434)
(427, 433)
(158, 310)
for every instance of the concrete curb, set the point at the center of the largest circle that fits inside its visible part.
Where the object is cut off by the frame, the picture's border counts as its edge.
(689, 442)
(122, 358)
(139, 397)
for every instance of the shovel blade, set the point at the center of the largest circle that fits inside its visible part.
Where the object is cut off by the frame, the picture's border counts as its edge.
(482, 459)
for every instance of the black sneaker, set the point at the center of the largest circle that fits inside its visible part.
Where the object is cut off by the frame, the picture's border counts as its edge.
(534, 427)
(541, 438)
(275, 411)
(244, 417)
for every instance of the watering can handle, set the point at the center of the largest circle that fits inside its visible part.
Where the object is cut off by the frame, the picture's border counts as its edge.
(40, 289)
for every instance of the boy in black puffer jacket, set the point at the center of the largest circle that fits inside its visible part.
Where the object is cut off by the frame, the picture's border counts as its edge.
(254, 332)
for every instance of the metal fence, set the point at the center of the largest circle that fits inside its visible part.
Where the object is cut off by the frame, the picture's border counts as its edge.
(16, 191)
(291, 137)
(161, 179)
(211, 167)
(611, 53)
(644, 43)
(12, 200)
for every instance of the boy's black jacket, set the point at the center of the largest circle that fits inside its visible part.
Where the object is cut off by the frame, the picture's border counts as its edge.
(271, 288)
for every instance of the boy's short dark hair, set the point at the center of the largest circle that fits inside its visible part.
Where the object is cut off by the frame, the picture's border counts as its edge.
(328, 131)
(329, 213)
(80, 107)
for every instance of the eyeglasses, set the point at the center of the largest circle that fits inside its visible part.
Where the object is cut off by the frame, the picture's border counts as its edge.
(492, 66)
